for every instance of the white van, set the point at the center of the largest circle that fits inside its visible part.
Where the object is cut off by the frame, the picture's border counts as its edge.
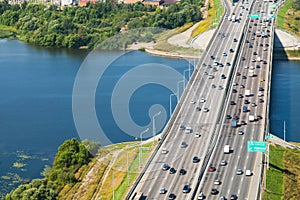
(164, 151)
(188, 129)
(248, 172)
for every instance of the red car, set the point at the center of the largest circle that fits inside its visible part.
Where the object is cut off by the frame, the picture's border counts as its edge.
(238, 73)
(212, 168)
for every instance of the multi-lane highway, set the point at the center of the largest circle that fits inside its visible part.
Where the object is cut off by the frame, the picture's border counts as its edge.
(204, 106)
(254, 56)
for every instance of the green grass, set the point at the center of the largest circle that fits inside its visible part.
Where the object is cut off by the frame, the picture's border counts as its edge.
(274, 190)
(282, 13)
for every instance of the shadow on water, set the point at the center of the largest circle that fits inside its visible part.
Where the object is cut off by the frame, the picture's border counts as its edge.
(278, 51)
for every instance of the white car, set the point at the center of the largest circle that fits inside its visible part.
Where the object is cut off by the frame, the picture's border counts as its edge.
(202, 100)
(193, 102)
(241, 132)
(164, 151)
(239, 171)
(260, 94)
(217, 182)
(201, 196)
(252, 67)
(162, 191)
(197, 135)
(205, 109)
(248, 172)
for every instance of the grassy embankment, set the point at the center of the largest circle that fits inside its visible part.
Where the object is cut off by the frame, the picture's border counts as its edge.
(7, 32)
(215, 11)
(288, 19)
(110, 171)
(283, 177)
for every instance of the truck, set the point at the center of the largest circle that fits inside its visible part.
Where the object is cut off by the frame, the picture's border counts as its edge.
(233, 18)
(247, 93)
(226, 148)
(251, 72)
(234, 123)
(251, 118)
(188, 129)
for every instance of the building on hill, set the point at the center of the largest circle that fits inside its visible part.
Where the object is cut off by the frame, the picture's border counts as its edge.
(84, 2)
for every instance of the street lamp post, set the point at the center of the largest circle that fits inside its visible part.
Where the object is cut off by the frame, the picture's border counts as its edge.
(183, 79)
(171, 103)
(153, 125)
(140, 157)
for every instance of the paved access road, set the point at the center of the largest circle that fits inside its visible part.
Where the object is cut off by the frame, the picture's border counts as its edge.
(207, 83)
(255, 55)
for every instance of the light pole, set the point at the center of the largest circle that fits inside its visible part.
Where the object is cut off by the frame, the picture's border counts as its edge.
(171, 103)
(128, 172)
(113, 189)
(183, 78)
(153, 123)
(140, 157)
(284, 130)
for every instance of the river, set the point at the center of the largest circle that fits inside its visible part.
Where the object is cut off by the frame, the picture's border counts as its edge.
(37, 90)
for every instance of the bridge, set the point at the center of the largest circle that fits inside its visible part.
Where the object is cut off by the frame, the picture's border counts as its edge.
(226, 103)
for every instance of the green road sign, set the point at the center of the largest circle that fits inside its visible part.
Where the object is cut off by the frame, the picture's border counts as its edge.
(254, 16)
(254, 146)
(269, 136)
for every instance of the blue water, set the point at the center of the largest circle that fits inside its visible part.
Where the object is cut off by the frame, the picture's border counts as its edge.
(285, 100)
(36, 103)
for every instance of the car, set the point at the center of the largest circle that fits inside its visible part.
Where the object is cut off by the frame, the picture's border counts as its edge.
(247, 41)
(267, 43)
(257, 66)
(183, 144)
(182, 171)
(243, 122)
(201, 195)
(234, 90)
(211, 76)
(239, 171)
(223, 163)
(228, 117)
(162, 190)
(243, 58)
(205, 73)
(186, 188)
(224, 54)
(221, 65)
(209, 66)
(197, 135)
(246, 67)
(244, 77)
(220, 87)
(231, 50)
(217, 182)
(165, 167)
(172, 170)
(198, 108)
(242, 86)
(250, 46)
(172, 196)
(214, 191)
(215, 69)
(222, 197)
(265, 49)
(212, 57)
(164, 151)
(254, 53)
(252, 67)
(241, 132)
(232, 102)
(235, 40)
(213, 86)
(253, 60)
(248, 172)
(212, 168)
(259, 117)
(205, 109)
(216, 63)
(241, 96)
(233, 197)
(264, 62)
(235, 83)
(228, 64)
(236, 117)
(193, 102)
(181, 127)
(261, 100)
(253, 104)
(223, 76)
(196, 159)
(202, 100)
(246, 101)
(238, 73)
(260, 94)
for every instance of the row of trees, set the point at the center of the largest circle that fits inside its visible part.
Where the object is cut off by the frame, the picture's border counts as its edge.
(75, 26)
(71, 155)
